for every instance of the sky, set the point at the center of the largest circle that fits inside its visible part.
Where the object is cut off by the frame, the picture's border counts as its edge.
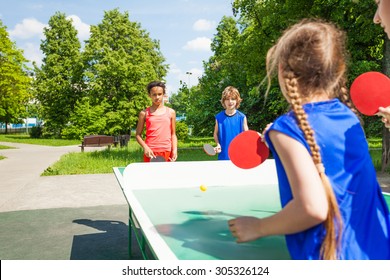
(184, 28)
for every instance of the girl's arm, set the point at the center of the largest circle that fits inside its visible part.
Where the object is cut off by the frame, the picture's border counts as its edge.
(309, 205)
(174, 137)
(245, 124)
(138, 134)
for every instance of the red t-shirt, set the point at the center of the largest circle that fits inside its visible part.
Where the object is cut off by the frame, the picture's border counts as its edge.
(159, 131)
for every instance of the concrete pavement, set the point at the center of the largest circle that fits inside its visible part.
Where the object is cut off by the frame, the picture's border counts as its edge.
(58, 217)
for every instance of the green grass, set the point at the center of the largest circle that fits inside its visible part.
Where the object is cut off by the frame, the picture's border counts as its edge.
(26, 139)
(375, 143)
(376, 156)
(98, 162)
(2, 147)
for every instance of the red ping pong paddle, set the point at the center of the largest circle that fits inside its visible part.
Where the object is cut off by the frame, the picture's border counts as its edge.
(369, 91)
(157, 159)
(247, 150)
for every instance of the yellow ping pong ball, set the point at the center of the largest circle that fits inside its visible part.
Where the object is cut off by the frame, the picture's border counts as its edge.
(203, 188)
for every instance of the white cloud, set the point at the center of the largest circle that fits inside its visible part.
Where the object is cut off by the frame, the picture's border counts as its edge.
(203, 25)
(82, 28)
(198, 44)
(174, 69)
(30, 27)
(32, 52)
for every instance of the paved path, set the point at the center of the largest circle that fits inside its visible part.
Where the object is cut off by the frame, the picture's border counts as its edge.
(58, 217)
(22, 187)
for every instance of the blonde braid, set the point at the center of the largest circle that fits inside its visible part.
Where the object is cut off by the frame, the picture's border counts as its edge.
(333, 221)
(346, 99)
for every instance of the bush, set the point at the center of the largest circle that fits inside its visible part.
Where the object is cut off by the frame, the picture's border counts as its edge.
(36, 132)
(181, 131)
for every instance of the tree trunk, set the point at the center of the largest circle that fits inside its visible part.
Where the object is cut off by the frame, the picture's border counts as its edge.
(386, 133)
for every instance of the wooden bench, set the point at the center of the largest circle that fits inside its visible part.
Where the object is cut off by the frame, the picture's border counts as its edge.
(97, 141)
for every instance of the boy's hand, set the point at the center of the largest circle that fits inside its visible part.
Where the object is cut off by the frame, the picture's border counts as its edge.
(218, 149)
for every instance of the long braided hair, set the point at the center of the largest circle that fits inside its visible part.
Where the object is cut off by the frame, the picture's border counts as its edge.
(311, 59)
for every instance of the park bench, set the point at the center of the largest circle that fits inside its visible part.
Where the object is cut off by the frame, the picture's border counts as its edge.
(97, 141)
(122, 140)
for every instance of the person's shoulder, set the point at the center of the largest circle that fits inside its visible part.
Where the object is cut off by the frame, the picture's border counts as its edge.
(285, 121)
(221, 113)
(241, 114)
(143, 112)
(170, 110)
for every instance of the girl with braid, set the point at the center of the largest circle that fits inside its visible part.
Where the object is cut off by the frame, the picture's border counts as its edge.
(332, 204)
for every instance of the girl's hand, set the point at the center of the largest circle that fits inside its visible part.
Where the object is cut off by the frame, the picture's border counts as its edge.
(385, 114)
(263, 133)
(266, 129)
(149, 153)
(218, 149)
(245, 229)
(173, 156)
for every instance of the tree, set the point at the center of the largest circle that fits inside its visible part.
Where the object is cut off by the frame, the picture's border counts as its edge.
(58, 85)
(241, 61)
(120, 60)
(14, 81)
(181, 100)
(221, 70)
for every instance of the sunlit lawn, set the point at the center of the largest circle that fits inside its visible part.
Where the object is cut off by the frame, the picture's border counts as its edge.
(26, 139)
(97, 162)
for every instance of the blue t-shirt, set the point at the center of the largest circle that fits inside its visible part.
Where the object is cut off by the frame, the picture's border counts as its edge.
(348, 165)
(228, 128)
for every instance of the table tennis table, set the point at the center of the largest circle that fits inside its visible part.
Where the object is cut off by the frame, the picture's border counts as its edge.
(172, 219)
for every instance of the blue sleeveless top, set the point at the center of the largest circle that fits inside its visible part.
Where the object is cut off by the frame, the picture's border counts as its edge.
(228, 128)
(348, 165)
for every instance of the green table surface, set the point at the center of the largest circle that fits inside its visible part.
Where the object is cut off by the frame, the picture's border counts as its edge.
(193, 223)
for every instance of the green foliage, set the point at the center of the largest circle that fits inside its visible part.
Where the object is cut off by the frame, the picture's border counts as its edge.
(85, 120)
(120, 60)
(181, 131)
(99, 90)
(14, 80)
(373, 127)
(240, 47)
(181, 101)
(36, 132)
(58, 84)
